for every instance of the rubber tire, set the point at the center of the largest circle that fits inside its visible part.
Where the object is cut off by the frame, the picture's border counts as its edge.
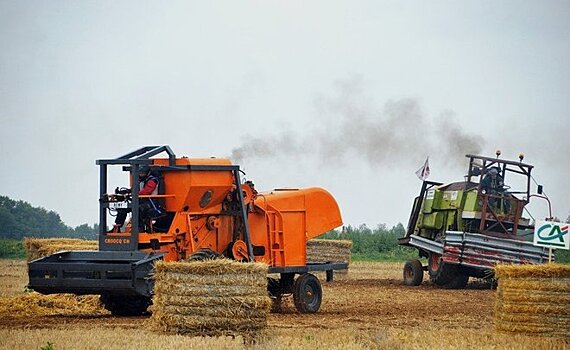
(458, 282)
(126, 305)
(307, 294)
(440, 273)
(204, 254)
(413, 273)
(275, 294)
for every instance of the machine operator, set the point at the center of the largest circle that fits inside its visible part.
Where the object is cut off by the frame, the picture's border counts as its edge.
(148, 186)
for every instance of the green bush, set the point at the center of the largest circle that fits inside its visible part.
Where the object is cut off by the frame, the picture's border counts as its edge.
(378, 244)
(12, 249)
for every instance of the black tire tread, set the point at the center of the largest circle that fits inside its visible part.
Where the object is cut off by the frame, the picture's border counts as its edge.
(415, 266)
(301, 304)
(443, 275)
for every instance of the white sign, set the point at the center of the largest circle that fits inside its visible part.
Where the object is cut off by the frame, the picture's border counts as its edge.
(552, 235)
(118, 205)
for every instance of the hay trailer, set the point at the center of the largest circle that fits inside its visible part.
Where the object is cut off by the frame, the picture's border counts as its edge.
(465, 228)
(202, 210)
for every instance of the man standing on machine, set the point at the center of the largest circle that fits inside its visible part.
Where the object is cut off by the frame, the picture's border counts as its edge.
(148, 186)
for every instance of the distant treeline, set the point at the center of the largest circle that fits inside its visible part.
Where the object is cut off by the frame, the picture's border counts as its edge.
(19, 219)
(380, 243)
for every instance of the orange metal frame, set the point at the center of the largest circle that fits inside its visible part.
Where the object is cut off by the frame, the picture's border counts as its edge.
(203, 207)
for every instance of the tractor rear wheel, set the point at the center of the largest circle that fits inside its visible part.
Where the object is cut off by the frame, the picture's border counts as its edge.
(204, 254)
(413, 273)
(307, 293)
(440, 273)
(126, 305)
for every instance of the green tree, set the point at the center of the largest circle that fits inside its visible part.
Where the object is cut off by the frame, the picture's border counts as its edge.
(19, 219)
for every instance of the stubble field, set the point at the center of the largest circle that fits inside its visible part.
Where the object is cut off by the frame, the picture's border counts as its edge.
(369, 308)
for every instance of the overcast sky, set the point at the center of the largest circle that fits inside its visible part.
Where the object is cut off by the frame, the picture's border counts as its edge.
(351, 96)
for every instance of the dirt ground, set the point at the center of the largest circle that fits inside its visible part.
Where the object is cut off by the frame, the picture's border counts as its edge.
(370, 298)
(365, 303)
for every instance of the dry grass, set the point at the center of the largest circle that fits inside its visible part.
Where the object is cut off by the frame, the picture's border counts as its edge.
(13, 277)
(87, 338)
(36, 305)
(39, 247)
(213, 297)
(375, 270)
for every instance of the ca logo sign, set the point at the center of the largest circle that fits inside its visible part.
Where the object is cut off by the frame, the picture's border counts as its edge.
(551, 234)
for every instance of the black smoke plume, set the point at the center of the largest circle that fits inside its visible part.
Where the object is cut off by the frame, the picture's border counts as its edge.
(350, 125)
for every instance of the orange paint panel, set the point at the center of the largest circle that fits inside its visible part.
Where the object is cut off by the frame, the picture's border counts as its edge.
(192, 188)
(281, 221)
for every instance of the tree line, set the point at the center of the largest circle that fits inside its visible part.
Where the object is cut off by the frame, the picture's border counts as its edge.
(379, 243)
(20, 219)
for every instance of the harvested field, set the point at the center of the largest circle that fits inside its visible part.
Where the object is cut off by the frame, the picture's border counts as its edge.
(371, 309)
(39, 247)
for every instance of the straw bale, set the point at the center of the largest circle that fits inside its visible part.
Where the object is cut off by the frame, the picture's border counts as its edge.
(536, 284)
(329, 242)
(39, 247)
(185, 290)
(551, 320)
(193, 279)
(536, 308)
(35, 304)
(328, 250)
(235, 311)
(552, 270)
(213, 297)
(532, 328)
(534, 296)
(533, 299)
(249, 302)
(212, 267)
(325, 250)
(205, 325)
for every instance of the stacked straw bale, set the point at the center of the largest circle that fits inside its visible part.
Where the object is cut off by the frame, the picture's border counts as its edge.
(533, 299)
(211, 297)
(327, 250)
(39, 247)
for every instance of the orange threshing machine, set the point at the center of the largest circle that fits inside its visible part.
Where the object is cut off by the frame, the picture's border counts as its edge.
(202, 210)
